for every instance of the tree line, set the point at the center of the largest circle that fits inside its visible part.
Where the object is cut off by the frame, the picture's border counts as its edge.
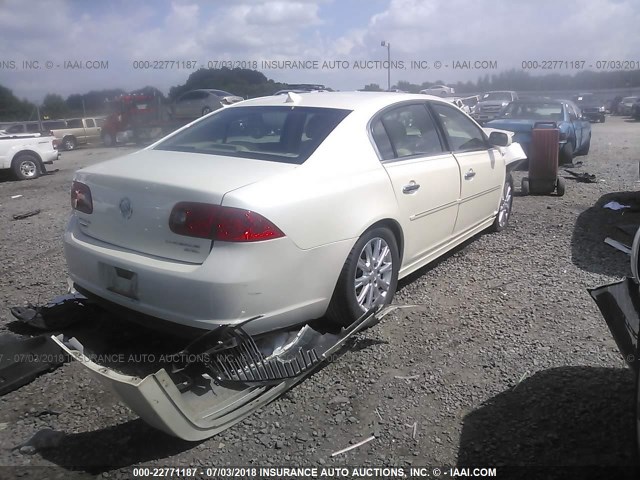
(251, 83)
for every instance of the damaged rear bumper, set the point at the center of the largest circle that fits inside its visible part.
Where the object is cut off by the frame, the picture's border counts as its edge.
(220, 378)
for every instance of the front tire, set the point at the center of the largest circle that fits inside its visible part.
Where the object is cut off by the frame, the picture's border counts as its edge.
(506, 204)
(587, 146)
(369, 277)
(566, 153)
(107, 140)
(26, 167)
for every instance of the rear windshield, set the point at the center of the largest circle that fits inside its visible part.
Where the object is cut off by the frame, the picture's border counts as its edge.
(54, 124)
(273, 133)
(497, 96)
(535, 111)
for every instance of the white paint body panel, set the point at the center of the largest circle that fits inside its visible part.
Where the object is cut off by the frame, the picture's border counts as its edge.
(10, 147)
(323, 206)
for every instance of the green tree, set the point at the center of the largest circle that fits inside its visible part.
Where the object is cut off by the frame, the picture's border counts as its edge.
(54, 106)
(238, 81)
(12, 108)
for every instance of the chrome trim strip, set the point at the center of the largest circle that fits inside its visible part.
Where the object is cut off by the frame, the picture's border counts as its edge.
(450, 204)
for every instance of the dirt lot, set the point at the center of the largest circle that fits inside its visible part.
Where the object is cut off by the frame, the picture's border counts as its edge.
(509, 361)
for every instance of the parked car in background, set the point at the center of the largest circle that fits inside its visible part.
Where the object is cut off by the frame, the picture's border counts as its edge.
(297, 90)
(492, 103)
(591, 108)
(196, 103)
(466, 104)
(613, 104)
(34, 127)
(360, 188)
(626, 104)
(24, 154)
(521, 116)
(438, 90)
(635, 109)
(78, 131)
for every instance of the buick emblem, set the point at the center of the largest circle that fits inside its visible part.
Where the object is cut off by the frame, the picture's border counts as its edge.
(125, 208)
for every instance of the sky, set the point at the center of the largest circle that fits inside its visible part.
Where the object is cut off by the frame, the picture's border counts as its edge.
(75, 46)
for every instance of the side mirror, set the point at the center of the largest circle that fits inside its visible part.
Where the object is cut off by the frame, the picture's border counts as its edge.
(499, 139)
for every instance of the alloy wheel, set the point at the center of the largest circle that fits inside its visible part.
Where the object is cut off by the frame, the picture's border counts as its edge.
(505, 204)
(374, 273)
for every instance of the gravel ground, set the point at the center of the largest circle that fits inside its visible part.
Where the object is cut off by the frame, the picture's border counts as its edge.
(504, 358)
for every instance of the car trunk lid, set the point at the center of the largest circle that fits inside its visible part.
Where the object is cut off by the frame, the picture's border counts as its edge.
(133, 197)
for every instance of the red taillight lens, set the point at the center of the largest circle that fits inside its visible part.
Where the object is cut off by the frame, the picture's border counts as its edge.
(193, 219)
(81, 198)
(221, 223)
(55, 142)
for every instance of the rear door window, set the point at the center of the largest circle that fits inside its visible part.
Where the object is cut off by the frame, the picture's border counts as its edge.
(406, 131)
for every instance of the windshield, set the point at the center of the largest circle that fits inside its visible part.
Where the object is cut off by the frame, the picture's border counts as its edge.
(504, 96)
(585, 99)
(273, 133)
(535, 111)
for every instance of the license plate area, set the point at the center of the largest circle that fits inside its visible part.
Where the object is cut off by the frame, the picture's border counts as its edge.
(120, 280)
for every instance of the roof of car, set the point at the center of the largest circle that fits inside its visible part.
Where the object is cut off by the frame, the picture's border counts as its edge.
(539, 100)
(342, 100)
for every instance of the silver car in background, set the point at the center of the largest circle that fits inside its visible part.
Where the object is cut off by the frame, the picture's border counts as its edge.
(196, 103)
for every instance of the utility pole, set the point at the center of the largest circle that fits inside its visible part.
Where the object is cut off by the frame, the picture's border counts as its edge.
(388, 45)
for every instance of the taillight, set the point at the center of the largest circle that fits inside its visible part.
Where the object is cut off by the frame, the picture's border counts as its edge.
(226, 224)
(81, 198)
(56, 143)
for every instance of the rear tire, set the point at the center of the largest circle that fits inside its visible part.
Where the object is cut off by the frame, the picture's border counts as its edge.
(368, 278)
(26, 166)
(69, 143)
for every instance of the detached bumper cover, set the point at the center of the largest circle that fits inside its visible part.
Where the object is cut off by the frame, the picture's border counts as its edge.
(619, 304)
(218, 385)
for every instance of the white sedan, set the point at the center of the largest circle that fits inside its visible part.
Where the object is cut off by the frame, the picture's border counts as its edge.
(440, 90)
(290, 207)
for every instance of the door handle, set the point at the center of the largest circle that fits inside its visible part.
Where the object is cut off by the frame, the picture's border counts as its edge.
(410, 188)
(470, 174)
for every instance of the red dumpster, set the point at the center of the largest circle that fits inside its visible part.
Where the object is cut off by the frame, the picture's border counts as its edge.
(543, 161)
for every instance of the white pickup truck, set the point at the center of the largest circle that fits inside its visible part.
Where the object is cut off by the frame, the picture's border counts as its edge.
(26, 155)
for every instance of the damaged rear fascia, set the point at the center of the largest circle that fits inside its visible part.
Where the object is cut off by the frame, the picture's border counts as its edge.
(619, 303)
(209, 406)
